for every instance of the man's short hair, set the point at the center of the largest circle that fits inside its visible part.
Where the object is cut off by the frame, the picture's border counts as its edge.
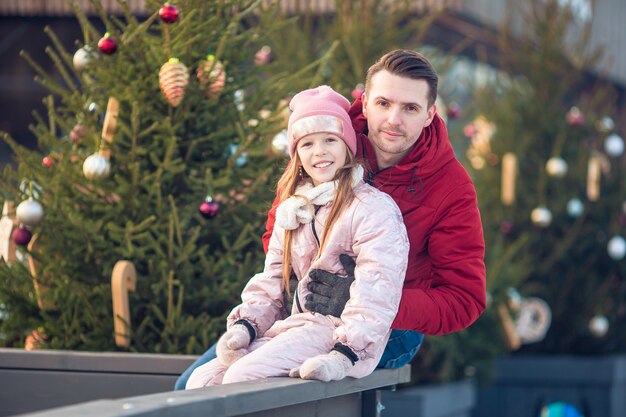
(409, 64)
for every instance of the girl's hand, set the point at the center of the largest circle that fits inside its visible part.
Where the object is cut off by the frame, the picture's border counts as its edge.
(233, 344)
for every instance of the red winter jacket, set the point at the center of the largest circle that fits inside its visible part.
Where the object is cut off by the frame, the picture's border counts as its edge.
(445, 285)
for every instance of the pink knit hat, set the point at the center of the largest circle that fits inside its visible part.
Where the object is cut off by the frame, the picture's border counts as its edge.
(319, 110)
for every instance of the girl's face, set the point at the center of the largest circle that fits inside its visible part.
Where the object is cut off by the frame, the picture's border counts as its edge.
(321, 154)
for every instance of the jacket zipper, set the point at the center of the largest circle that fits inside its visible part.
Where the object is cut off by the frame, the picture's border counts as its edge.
(300, 309)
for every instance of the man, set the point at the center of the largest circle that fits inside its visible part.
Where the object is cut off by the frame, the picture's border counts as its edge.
(406, 152)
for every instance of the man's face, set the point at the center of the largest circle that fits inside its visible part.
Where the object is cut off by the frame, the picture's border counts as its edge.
(397, 110)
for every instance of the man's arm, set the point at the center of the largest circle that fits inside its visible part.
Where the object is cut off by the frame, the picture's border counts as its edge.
(456, 297)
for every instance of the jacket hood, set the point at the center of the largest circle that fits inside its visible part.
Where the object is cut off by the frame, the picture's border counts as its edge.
(430, 153)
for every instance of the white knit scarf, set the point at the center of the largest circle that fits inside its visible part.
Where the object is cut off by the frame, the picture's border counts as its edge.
(294, 211)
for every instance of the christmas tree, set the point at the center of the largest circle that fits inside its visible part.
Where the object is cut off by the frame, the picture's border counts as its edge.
(545, 150)
(156, 150)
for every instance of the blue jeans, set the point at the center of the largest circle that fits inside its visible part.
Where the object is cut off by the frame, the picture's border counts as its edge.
(401, 348)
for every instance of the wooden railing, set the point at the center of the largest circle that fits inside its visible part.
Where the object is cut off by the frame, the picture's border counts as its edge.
(39, 380)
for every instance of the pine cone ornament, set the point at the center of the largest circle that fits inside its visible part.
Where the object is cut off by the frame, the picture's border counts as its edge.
(173, 78)
(211, 76)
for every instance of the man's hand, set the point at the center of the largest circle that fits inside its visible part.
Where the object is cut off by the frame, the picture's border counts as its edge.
(233, 344)
(330, 292)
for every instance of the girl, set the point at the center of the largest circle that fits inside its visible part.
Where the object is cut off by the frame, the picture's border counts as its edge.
(326, 210)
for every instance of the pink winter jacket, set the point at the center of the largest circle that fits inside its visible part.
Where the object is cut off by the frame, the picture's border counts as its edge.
(371, 231)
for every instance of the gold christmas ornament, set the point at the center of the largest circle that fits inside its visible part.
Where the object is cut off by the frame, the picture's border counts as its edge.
(211, 76)
(173, 79)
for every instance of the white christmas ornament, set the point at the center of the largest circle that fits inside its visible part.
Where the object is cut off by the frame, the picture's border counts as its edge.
(280, 143)
(82, 57)
(541, 216)
(614, 145)
(599, 326)
(556, 167)
(616, 248)
(606, 124)
(96, 166)
(29, 212)
(575, 207)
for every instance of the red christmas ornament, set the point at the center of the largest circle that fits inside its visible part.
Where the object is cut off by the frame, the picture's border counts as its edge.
(574, 117)
(358, 91)
(21, 236)
(47, 161)
(107, 44)
(168, 13)
(78, 132)
(209, 208)
(454, 111)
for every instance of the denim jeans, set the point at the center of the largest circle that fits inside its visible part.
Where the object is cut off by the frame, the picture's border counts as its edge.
(401, 348)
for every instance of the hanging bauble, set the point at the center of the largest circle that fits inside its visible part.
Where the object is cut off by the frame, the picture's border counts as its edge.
(616, 248)
(168, 13)
(107, 44)
(541, 216)
(556, 167)
(47, 161)
(506, 227)
(470, 130)
(209, 208)
(83, 56)
(263, 56)
(173, 79)
(21, 235)
(238, 97)
(242, 158)
(92, 107)
(574, 117)
(280, 143)
(29, 212)
(211, 76)
(614, 145)
(358, 91)
(599, 326)
(96, 166)
(78, 132)
(454, 111)
(605, 125)
(575, 207)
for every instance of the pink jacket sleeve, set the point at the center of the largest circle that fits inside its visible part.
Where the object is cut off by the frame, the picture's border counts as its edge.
(381, 247)
(262, 299)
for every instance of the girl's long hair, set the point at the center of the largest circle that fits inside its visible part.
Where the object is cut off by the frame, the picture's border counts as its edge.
(344, 195)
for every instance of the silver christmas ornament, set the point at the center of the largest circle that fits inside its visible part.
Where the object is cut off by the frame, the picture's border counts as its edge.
(29, 212)
(280, 143)
(575, 207)
(556, 167)
(614, 145)
(599, 326)
(541, 216)
(96, 166)
(83, 56)
(616, 248)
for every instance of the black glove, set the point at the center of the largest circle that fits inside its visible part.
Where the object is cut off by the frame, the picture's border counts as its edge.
(330, 292)
(288, 297)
